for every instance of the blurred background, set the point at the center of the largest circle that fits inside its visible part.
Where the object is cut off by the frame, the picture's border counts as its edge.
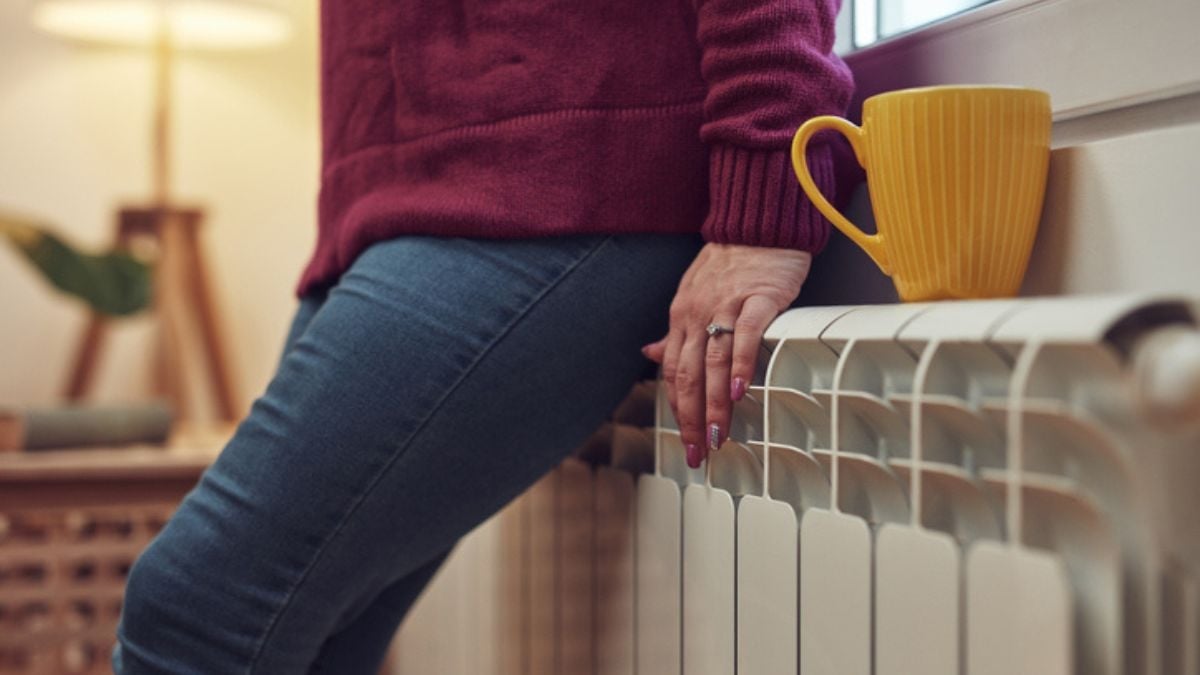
(173, 183)
(75, 138)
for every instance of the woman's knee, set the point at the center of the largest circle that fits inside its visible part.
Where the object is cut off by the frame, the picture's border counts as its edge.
(172, 619)
(147, 616)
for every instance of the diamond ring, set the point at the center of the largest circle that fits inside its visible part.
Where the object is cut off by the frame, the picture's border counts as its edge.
(715, 329)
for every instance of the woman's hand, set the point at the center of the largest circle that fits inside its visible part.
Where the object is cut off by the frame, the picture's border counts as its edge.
(740, 287)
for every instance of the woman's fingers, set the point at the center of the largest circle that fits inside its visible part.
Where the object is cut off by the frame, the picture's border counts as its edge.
(689, 396)
(670, 365)
(656, 350)
(757, 313)
(730, 361)
(717, 358)
(726, 283)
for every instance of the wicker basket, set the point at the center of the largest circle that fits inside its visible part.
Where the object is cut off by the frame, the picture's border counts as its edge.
(71, 525)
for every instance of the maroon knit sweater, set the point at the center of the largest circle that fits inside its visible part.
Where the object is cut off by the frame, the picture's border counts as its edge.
(530, 118)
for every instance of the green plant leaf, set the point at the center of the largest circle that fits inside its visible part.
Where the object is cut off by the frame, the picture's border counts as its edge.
(114, 283)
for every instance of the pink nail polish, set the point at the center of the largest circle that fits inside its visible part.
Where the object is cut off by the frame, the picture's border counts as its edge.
(714, 437)
(693, 456)
(737, 389)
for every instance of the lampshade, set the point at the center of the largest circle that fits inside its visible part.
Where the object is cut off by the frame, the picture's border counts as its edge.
(190, 24)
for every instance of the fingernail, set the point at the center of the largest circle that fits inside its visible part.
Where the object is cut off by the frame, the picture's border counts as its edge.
(737, 389)
(693, 456)
(714, 437)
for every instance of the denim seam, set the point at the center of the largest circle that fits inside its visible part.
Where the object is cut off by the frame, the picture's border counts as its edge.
(401, 451)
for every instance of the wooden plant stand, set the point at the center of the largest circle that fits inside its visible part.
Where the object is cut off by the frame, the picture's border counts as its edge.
(181, 288)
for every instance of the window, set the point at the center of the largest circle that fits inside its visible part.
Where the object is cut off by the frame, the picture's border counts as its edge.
(864, 22)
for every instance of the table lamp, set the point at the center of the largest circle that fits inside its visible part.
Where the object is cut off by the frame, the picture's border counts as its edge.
(163, 227)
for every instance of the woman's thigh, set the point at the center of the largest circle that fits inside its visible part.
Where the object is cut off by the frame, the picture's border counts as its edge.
(436, 381)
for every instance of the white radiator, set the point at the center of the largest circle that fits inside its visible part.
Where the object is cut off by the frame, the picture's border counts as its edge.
(922, 489)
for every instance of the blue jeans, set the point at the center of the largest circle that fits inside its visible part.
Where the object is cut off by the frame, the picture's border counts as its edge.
(433, 384)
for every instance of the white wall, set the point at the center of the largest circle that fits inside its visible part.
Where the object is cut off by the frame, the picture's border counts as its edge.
(74, 143)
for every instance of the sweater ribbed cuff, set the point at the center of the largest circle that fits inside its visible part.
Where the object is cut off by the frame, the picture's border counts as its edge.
(755, 199)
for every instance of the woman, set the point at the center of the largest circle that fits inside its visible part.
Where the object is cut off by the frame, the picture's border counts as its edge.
(511, 192)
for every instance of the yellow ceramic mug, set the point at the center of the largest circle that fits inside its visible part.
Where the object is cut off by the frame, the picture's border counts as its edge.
(956, 176)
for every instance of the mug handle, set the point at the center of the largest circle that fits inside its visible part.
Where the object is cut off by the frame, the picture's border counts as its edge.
(871, 243)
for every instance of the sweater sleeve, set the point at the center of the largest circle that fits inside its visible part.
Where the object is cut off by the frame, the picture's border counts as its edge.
(769, 66)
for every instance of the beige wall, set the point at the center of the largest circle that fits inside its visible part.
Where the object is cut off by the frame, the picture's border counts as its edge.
(74, 138)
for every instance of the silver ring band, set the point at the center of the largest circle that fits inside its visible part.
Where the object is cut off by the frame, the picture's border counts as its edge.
(715, 329)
